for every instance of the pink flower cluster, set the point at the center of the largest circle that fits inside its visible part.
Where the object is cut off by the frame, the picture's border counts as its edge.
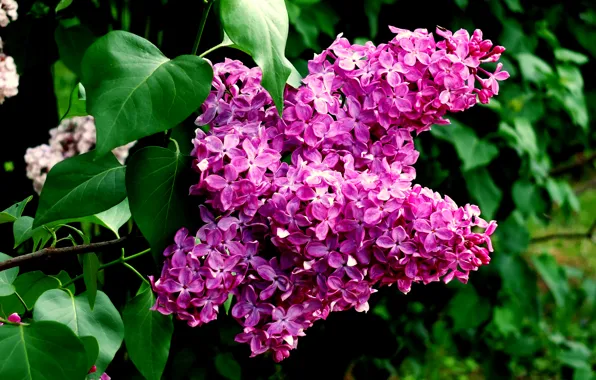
(8, 12)
(294, 239)
(72, 137)
(9, 78)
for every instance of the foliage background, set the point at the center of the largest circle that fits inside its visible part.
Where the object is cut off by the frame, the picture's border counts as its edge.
(530, 314)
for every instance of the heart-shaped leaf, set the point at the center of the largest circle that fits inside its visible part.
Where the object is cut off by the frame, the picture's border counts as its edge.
(147, 335)
(157, 192)
(41, 351)
(103, 322)
(81, 186)
(7, 277)
(134, 91)
(14, 212)
(260, 28)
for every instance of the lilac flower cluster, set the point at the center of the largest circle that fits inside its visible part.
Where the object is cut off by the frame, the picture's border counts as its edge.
(8, 12)
(293, 240)
(72, 137)
(9, 78)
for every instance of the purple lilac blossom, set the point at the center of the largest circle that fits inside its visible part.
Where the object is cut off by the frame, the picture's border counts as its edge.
(294, 241)
(72, 137)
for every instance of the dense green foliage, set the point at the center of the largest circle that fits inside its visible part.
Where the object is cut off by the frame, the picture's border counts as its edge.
(526, 315)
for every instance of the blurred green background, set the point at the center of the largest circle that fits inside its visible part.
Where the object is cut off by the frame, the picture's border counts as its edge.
(527, 159)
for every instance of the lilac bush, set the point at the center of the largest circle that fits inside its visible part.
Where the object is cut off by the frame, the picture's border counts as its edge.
(295, 239)
(72, 137)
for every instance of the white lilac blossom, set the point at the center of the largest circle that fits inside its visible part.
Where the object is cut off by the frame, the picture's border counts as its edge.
(9, 78)
(72, 137)
(295, 240)
(8, 12)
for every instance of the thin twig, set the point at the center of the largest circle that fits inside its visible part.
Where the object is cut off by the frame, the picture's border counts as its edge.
(567, 235)
(47, 252)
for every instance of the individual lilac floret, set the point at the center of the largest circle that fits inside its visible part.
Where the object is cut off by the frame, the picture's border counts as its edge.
(8, 12)
(72, 137)
(320, 231)
(9, 78)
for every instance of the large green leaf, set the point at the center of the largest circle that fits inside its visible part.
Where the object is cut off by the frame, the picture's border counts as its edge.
(147, 335)
(72, 43)
(228, 367)
(14, 212)
(103, 322)
(41, 351)
(31, 285)
(260, 27)
(7, 277)
(554, 277)
(22, 230)
(81, 186)
(468, 310)
(157, 192)
(134, 91)
(90, 269)
(472, 151)
(482, 188)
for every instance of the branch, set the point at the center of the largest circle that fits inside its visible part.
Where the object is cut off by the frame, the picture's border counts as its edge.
(581, 161)
(48, 252)
(567, 235)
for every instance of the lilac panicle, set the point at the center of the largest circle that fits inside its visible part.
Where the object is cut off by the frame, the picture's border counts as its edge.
(293, 240)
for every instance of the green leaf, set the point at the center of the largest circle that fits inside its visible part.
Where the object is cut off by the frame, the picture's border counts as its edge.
(472, 151)
(113, 218)
(103, 322)
(64, 278)
(514, 6)
(63, 4)
(468, 310)
(527, 198)
(147, 335)
(31, 285)
(228, 367)
(11, 304)
(533, 69)
(91, 349)
(153, 94)
(72, 43)
(566, 55)
(90, 269)
(513, 233)
(7, 277)
(41, 351)
(260, 27)
(554, 277)
(81, 186)
(14, 212)
(22, 230)
(482, 188)
(159, 213)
